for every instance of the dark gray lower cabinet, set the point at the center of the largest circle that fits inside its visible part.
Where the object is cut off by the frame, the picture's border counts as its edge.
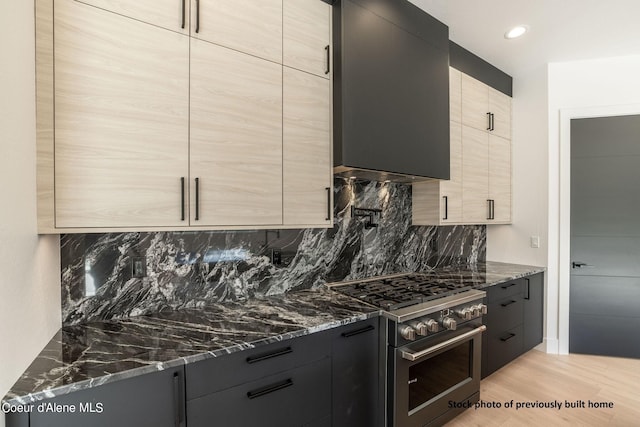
(296, 397)
(283, 384)
(514, 321)
(153, 400)
(329, 378)
(533, 310)
(355, 375)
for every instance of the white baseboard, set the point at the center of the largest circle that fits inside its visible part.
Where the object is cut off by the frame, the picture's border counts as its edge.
(551, 345)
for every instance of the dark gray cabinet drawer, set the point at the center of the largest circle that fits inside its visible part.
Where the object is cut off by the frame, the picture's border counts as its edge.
(227, 371)
(505, 314)
(504, 347)
(297, 397)
(506, 289)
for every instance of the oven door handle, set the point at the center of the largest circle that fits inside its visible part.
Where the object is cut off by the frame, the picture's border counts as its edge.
(408, 355)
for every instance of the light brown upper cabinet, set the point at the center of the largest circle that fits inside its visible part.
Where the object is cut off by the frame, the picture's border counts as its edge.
(236, 138)
(499, 179)
(249, 26)
(486, 178)
(479, 188)
(485, 108)
(307, 36)
(307, 168)
(486, 153)
(169, 14)
(144, 126)
(121, 120)
(307, 157)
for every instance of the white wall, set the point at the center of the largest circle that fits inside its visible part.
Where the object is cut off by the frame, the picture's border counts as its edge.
(29, 264)
(511, 243)
(597, 85)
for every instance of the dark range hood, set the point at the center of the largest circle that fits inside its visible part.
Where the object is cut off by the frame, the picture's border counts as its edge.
(391, 91)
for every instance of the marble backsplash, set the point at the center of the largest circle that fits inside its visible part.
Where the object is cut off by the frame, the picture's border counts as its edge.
(189, 269)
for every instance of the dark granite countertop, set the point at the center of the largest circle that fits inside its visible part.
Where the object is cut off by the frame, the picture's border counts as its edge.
(88, 355)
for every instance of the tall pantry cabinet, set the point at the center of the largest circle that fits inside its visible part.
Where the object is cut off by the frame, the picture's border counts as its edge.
(195, 114)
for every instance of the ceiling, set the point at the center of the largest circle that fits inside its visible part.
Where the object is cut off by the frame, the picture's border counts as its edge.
(560, 30)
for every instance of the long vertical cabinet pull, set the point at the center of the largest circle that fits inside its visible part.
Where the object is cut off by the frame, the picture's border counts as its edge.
(493, 122)
(488, 121)
(197, 215)
(446, 207)
(488, 208)
(328, 50)
(182, 197)
(183, 13)
(328, 218)
(528, 289)
(493, 209)
(197, 16)
(177, 400)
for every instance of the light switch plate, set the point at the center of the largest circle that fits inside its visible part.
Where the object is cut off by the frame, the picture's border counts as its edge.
(535, 241)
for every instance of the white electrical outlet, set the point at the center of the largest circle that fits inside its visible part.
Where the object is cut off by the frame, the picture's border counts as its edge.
(535, 241)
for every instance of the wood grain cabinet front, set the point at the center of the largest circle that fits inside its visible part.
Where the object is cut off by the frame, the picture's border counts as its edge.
(121, 120)
(236, 138)
(168, 14)
(479, 188)
(147, 125)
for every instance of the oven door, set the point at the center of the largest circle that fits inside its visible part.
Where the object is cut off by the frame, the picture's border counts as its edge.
(436, 380)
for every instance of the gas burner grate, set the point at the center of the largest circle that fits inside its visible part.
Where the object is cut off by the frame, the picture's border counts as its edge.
(393, 293)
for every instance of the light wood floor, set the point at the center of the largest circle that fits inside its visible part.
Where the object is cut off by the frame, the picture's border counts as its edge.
(541, 377)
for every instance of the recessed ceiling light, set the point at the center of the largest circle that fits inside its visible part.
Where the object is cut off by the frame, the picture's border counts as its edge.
(516, 32)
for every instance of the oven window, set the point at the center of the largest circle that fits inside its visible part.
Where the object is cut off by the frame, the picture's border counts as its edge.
(438, 374)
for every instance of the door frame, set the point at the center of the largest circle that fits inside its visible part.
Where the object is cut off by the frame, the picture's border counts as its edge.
(564, 232)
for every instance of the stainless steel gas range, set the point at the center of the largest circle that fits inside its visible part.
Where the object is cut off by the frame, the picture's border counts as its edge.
(432, 342)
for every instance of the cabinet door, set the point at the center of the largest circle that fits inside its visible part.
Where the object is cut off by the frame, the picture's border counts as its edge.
(455, 95)
(152, 400)
(452, 189)
(236, 137)
(307, 169)
(475, 103)
(475, 180)
(533, 310)
(500, 106)
(355, 375)
(249, 26)
(307, 36)
(500, 178)
(170, 14)
(121, 120)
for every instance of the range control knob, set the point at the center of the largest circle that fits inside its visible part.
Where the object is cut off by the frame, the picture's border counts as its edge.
(449, 323)
(408, 333)
(432, 325)
(465, 313)
(420, 328)
(479, 309)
